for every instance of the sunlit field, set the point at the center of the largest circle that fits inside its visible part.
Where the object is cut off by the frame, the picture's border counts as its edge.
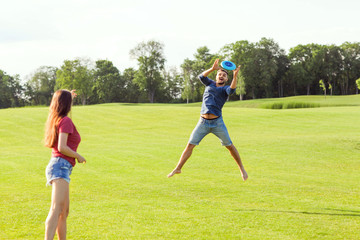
(303, 166)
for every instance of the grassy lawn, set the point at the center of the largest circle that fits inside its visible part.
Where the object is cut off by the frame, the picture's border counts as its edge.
(303, 167)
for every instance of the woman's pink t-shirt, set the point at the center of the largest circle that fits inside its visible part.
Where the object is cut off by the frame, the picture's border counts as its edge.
(67, 126)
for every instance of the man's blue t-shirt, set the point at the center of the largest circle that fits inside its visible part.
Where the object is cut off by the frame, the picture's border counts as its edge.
(214, 97)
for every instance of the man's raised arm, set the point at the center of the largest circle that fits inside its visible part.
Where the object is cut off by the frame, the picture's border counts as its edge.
(213, 68)
(234, 81)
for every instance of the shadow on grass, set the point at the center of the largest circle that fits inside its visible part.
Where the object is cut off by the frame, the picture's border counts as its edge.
(345, 213)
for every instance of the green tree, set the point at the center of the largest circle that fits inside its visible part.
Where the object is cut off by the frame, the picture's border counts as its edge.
(192, 88)
(151, 60)
(309, 58)
(331, 89)
(239, 53)
(301, 58)
(132, 91)
(40, 86)
(260, 65)
(240, 88)
(16, 91)
(5, 95)
(203, 61)
(77, 74)
(189, 78)
(295, 77)
(283, 64)
(109, 85)
(268, 54)
(332, 66)
(173, 83)
(351, 71)
(322, 86)
(357, 85)
(252, 74)
(11, 91)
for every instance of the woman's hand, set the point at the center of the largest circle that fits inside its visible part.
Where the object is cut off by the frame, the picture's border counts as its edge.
(73, 93)
(81, 159)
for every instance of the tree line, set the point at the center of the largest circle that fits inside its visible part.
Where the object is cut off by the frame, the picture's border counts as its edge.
(266, 71)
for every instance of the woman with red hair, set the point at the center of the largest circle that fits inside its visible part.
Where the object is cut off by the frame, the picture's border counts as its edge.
(60, 135)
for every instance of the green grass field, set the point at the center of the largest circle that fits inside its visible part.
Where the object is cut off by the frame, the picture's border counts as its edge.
(303, 167)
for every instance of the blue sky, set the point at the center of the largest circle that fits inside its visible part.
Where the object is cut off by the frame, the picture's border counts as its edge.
(45, 33)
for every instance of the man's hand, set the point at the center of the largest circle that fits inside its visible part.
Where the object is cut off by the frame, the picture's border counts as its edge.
(236, 71)
(216, 65)
(234, 81)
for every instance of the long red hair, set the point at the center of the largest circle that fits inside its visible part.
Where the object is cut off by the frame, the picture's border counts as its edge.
(60, 106)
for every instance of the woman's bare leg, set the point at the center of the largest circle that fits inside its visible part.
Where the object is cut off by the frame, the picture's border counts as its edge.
(61, 228)
(56, 220)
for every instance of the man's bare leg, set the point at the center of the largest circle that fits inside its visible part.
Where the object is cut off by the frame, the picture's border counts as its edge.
(235, 154)
(184, 157)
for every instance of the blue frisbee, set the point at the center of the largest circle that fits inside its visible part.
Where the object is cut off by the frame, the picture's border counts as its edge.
(228, 65)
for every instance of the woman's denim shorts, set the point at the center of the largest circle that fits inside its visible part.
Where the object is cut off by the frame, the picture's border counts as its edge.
(58, 168)
(215, 126)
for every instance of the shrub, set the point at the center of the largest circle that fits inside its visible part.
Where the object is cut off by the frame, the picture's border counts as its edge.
(288, 105)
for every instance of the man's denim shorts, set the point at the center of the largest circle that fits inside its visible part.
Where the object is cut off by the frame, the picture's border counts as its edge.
(215, 126)
(58, 168)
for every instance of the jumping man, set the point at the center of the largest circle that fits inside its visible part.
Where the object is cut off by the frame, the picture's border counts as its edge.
(211, 121)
